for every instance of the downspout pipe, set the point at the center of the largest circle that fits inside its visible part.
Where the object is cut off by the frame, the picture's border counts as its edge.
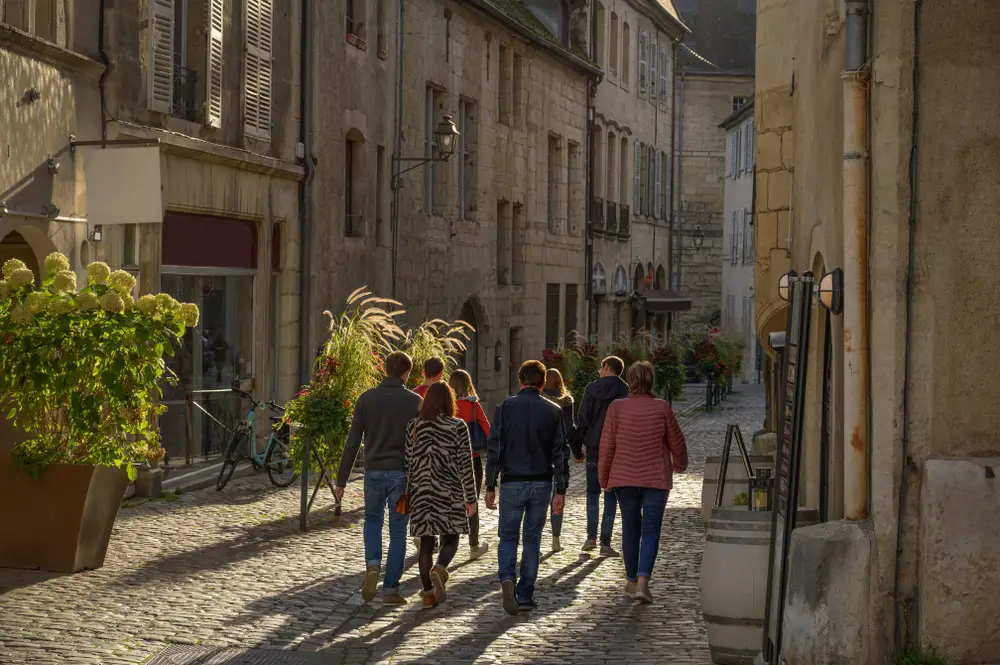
(680, 180)
(673, 167)
(588, 235)
(397, 144)
(305, 199)
(855, 235)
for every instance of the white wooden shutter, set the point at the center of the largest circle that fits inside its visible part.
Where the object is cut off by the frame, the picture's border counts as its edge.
(160, 67)
(750, 231)
(213, 78)
(257, 73)
(732, 241)
(637, 179)
(643, 62)
(658, 186)
(652, 73)
(739, 238)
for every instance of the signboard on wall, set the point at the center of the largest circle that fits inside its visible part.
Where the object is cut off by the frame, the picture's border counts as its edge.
(788, 458)
(123, 185)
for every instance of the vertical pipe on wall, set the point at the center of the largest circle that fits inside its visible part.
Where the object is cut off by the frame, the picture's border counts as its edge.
(679, 118)
(305, 201)
(397, 146)
(855, 230)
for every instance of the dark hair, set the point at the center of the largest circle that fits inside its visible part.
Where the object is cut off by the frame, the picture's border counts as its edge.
(439, 401)
(461, 383)
(397, 364)
(433, 367)
(531, 373)
(554, 381)
(614, 363)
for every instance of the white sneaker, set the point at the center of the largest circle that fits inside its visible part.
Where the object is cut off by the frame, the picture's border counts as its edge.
(478, 550)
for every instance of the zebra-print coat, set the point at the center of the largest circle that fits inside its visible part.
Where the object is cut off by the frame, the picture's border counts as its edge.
(439, 476)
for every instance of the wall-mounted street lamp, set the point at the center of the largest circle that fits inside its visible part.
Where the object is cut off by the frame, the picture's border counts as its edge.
(97, 235)
(831, 291)
(699, 238)
(446, 140)
(785, 283)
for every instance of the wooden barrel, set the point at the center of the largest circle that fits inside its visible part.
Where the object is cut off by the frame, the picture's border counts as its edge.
(734, 581)
(736, 480)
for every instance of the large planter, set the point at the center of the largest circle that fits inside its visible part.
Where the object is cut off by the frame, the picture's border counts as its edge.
(734, 581)
(60, 521)
(736, 480)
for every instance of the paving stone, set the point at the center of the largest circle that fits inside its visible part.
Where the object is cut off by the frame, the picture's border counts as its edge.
(230, 570)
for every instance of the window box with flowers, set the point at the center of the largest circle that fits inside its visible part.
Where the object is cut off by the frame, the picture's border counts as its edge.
(80, 378)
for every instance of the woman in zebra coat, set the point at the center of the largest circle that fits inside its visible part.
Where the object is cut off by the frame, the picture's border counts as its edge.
(441, 485)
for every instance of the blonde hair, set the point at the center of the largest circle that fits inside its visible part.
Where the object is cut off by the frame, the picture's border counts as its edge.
(554, 381)
(641, 378)
(461, 383)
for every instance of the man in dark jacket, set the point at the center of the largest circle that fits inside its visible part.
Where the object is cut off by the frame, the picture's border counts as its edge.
(586, 443)
(526, 450)
(381, 416)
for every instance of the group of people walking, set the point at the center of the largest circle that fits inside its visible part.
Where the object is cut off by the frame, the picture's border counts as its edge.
(424, 466)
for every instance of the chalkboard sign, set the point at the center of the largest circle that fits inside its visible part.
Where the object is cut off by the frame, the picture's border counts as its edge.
(788, 458)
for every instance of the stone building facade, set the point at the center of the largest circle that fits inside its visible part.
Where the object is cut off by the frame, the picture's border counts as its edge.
(899, 451)
(197, 83)
(495, 234)
(714, 77)
(631, 144)
(737, 303)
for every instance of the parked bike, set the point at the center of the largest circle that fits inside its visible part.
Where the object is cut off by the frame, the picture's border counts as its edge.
(276, 458)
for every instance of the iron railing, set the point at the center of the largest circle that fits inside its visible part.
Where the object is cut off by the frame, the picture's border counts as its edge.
(185, 91)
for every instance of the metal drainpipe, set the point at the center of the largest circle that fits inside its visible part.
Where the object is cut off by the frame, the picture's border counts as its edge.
(305, 202)
(855, 234)
(680, 180)
(673, 166)
(588, 234)
(397, 145)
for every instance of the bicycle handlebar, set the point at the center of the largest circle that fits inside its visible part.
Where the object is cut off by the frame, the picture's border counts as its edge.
(259, 405)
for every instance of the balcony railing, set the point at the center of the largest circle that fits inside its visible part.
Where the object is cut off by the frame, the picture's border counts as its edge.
(597, 213)
(624, 230)
(611, 221)
(185, 92)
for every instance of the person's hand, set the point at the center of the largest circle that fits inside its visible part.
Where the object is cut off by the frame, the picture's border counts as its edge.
(558, 503)
(339, 493)
(471, 509)
(580, 460)
(491, 500)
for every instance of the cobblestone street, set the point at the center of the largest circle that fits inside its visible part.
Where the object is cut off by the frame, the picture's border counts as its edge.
(230, 570)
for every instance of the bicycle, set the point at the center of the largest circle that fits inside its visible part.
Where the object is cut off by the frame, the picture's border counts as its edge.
(277, 456)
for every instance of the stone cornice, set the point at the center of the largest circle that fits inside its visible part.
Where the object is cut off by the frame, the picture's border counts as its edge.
(199, 149)
(22, 43)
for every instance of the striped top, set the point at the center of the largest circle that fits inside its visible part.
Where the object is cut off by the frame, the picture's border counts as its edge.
(641, 445)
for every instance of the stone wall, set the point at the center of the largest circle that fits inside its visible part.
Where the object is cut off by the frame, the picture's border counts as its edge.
(701, 170)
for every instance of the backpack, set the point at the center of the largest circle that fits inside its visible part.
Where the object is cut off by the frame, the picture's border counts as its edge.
(477, 436)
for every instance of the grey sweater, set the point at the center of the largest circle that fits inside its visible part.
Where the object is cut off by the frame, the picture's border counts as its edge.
(380, 417)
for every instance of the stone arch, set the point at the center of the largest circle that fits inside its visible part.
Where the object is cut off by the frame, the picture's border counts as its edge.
(27, 243)
(660, 279)
(619, 284)
(638, 275)
(599, 279)
(479, 344)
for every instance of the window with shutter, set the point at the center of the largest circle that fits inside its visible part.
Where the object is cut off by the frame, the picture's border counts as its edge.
(653, 55)
(257, 69)
(643, 63)
(732, 240)
(636, 180)
(657, 186)
(213, 78)
(664, 75)
(160, 66)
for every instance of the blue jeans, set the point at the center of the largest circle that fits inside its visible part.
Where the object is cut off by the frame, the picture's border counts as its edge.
(642, 519)
(594, 505)
(382, 489)
(524, 503)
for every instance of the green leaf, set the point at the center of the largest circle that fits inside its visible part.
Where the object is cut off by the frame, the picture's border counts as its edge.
(132, 473)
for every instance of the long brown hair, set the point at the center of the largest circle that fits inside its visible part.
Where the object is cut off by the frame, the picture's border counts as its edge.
(439, 401)
(554, 382)
(461, 383)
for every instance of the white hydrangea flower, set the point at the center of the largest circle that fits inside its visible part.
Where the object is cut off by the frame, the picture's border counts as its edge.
(36, 302)
(65, 281)
(189, 314)
(112, 302)
(56, 262)
(87, 301)
(5, 289)
(147, 304)
(21, 277)
(98, 272)
(121, 281)
(11, 265)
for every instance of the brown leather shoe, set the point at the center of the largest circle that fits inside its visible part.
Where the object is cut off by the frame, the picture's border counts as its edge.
(430, 602)
(371, 583)
(439, 578)
(393, 599)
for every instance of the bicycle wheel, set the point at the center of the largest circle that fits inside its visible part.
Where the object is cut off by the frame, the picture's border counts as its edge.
(279, 465)
(229, 462)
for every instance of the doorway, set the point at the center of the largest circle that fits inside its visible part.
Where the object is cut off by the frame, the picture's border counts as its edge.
(469, 361)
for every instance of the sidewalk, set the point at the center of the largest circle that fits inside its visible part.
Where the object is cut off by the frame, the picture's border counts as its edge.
(230, 570)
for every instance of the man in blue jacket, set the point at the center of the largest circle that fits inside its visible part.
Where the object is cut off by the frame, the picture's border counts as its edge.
(586, 443)
(527, 451)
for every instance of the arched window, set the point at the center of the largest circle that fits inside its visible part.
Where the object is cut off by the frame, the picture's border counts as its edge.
(620, 283)
(554, 15)
(613, 53)
(601, 41)
(600, 280)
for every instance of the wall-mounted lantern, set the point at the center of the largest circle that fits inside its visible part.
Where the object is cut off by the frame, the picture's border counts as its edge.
(831, 291)
(445, 137)
(784, 284)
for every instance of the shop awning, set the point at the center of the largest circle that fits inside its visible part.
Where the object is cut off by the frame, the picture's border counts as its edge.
(663, 302)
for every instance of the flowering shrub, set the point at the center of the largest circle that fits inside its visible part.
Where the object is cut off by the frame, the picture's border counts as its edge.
(671, 375)
(80, 371)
